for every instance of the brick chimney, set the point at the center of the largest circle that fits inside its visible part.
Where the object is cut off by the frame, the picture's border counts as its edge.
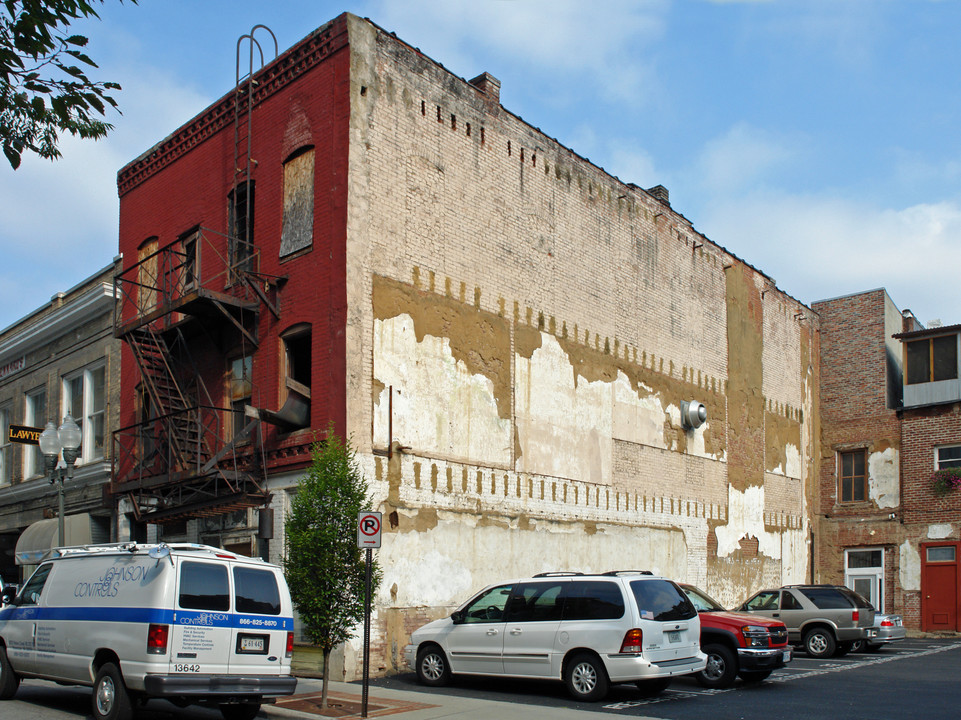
(490, 86)
(659, 192)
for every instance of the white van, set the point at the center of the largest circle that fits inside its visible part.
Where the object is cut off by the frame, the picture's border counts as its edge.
(189, 623)
(588, 630)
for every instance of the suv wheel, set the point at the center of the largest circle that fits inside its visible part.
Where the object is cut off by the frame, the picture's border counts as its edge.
(586, 678)
(721, 668)
(819, 643)
(432, 667)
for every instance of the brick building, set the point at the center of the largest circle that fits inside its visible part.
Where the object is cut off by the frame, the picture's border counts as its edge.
(517, 343)
(890, 410)
(60, 359)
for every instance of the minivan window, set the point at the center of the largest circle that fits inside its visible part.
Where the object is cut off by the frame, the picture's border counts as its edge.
(488, 606)
(536, 602)
(661, 600)
(827, 598)
(255, 591)
(204, 586)
(593, 600)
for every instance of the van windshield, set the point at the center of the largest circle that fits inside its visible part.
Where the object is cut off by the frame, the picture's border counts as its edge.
(661, 600)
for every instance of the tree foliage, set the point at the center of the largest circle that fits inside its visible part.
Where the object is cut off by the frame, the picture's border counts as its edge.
(44, 87)
(325, 569)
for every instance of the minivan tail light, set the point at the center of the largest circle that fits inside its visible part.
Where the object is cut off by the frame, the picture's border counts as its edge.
(290, 645)
(855, 616)
(157, 639)
(633, 640)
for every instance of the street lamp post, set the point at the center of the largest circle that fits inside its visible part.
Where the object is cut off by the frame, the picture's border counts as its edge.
(52, 441)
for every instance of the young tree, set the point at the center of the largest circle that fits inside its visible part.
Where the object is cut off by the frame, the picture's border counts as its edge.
(325, 569)
(43, 89)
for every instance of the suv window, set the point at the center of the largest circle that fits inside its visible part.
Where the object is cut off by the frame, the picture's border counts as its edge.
(661, 600)
(204, 586)
(533, 602)
(789, 602)
(256, 591)
(827, 598)
(593, 600)
(764, 600)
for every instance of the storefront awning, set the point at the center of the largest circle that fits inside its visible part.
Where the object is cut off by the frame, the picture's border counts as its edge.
(39, 539)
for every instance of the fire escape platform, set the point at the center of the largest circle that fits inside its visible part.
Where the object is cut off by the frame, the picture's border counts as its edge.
(200, 303)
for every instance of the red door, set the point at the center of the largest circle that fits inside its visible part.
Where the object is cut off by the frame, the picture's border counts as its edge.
(939, 586)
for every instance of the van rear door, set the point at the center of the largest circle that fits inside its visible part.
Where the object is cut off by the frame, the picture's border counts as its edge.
(668, 620)
(201, 631)
(258, 641)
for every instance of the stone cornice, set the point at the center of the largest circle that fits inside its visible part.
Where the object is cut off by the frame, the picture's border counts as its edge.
(287, 68)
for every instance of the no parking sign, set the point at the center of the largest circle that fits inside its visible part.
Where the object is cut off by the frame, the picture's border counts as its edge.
(368, 530)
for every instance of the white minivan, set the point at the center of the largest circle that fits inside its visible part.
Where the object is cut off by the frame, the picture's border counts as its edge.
(189, 623)
(588, 630)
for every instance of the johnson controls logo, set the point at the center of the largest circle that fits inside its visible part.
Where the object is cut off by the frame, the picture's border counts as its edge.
(205, 619)
(109, 584)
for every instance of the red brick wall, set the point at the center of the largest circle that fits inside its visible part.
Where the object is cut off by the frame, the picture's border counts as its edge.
(184, 182)
(924, 430)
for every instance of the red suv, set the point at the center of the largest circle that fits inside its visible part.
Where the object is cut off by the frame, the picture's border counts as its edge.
(737, 644)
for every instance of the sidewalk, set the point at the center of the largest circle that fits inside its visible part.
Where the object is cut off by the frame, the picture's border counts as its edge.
(346, 702)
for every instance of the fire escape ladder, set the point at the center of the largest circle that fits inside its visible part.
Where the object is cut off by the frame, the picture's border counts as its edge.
(166, 394)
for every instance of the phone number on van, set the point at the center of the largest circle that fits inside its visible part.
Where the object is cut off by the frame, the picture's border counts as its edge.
(258, 622)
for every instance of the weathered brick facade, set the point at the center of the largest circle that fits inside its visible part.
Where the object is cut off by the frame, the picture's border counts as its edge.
(507, 333)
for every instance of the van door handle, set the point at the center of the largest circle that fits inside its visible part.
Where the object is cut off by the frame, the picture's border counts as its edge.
(492, 631)
(775, 614)
(516, 631)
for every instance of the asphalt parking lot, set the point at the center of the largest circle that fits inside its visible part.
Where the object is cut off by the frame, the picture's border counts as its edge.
(912, 678)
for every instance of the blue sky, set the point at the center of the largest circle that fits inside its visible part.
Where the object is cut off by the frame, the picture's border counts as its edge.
(819, 141)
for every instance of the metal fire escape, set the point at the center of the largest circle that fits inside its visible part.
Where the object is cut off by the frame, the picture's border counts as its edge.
(178, 462)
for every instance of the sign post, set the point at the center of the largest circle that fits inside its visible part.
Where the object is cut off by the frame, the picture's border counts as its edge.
(368, 538)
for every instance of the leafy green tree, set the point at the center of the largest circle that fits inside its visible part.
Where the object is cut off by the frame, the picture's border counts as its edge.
(44, 89)
(325, 569)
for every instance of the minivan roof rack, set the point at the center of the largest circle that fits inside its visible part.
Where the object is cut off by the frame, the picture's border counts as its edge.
(628, 572)
(561, 573)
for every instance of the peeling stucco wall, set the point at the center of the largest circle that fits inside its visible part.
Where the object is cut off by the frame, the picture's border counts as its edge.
(884, 478)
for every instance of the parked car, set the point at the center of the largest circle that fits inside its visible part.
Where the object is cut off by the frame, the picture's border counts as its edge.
(890, 629)
(588, 630)
(736, 644)
(826, 619)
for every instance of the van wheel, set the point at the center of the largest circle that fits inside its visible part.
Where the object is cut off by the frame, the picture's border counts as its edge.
(819, 643)
(110, 698)
(432, 667)
(586, 678)
(9, 680)
(721, 668)
(237, 711)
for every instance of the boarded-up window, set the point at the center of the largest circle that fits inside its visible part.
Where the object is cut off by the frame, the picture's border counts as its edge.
(932, 359)
(298, 229)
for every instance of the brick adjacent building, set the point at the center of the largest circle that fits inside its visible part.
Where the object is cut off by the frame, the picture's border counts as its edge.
(890, 417)
(517, 343)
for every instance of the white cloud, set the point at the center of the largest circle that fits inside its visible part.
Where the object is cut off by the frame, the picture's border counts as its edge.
(743, 158)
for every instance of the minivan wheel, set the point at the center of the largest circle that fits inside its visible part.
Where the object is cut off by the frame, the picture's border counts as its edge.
(9, 680)
(110, 698)
(721, 668)
(819, 643)
(238, 711)
(432, 667)
(585, 677)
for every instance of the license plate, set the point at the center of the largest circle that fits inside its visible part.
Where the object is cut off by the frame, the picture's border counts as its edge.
(872, 633)
(674, 636)
(252, 644)
(786, 657)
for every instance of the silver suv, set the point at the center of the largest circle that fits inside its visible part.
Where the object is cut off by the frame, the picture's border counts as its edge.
(827, 619)
(588, 630)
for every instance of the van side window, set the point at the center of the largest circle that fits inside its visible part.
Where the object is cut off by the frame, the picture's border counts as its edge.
(203, 586)
(488, 606)
(30, 595)
(661, 600)
(255, 591)
(593, 600)
(534, 602)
